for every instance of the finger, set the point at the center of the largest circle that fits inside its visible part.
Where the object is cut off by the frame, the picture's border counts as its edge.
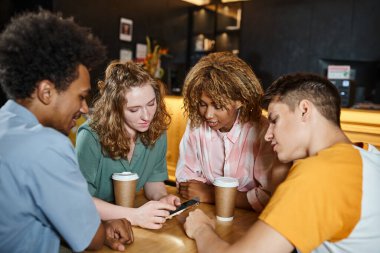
(183, 192)
(154, 226)
(185, 195)
(161, 213)
(130, 237)
(177, 201)
(126, 234)
(114, 244)
(183, 184)
(164, 206)
(183, 189)
(159, 220)
(173, 199)
(128, 240)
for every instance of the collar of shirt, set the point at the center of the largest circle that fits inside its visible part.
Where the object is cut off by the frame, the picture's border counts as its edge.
(233, 134)
(13, 107)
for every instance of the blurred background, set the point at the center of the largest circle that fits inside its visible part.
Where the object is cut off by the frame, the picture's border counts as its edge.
(274, 36)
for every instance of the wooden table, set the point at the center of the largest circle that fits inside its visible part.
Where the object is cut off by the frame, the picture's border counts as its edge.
(172, 238)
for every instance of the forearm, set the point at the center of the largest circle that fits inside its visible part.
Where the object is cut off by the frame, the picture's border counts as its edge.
(208, 241)
(242, 201)
(279, 173)
(258, 198)
(98, 239)
(108, 211)
(155, 190)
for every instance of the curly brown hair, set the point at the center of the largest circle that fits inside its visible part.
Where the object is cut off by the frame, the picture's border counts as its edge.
(107, 118)
(224, 77)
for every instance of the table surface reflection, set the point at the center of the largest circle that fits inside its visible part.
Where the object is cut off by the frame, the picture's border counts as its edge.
(172, 238)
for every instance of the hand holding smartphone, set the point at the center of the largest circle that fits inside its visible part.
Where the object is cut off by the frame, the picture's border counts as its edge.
(185, 205)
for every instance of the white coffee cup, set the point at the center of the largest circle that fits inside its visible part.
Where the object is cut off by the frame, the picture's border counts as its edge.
(225, 197)
(124, 186)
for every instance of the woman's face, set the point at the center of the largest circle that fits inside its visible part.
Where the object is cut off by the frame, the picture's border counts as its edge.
(217, 117)
(140, 108)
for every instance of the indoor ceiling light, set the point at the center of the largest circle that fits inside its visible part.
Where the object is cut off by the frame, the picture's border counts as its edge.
(198, 2)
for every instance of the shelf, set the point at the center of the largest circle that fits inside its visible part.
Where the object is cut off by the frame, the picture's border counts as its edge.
(228, 31)
(209, 30)
(203, 52)
(206, 35)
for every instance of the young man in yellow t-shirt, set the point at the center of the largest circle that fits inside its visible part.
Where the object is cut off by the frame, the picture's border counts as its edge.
(329, 201)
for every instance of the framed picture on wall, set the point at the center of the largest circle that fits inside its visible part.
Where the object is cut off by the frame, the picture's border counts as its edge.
(125, 31)
(125, 55)
(141, 50)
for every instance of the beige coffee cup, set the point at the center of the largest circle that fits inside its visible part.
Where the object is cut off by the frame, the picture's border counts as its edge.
(225, 196)
(124, 188)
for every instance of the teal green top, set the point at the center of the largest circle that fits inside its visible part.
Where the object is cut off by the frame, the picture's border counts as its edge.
(148, 162)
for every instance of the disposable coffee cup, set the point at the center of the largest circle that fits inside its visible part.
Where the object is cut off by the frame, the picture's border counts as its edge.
(225, 196)
(124, 187)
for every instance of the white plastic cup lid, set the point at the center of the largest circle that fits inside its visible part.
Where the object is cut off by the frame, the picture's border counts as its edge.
(125, 176)
(224, 218)
(226, 182)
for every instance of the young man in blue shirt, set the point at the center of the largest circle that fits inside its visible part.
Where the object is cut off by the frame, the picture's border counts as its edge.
(44, 70)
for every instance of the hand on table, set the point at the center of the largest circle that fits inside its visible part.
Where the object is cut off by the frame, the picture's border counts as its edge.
(118, 233)
(196, 222)
(193, 188)
(152, 214)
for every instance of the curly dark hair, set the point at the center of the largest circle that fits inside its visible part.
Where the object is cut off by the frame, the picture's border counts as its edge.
(292, 88)
(41, 45)
(107, 118)
(224, 77)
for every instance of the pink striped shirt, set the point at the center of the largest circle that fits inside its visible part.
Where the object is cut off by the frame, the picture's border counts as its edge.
(241, 153)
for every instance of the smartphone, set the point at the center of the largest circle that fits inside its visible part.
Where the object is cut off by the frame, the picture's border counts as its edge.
(185, 205)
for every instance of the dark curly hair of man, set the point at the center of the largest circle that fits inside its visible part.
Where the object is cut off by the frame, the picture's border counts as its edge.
(38, 46)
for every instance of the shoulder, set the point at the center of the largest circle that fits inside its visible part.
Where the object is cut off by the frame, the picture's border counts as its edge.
(336, 155)
(334, 163)
(30, 141)
(44, 150)
(46, 139)
(85, 130)
(162, 137)
(192, 131)
(85, 127)
(162, 140)
(261, 127)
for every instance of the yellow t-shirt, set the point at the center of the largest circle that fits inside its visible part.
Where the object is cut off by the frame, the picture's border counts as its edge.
(321, 199)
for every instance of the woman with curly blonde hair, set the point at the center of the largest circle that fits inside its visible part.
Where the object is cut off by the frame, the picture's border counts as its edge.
(225, 134)
(126, 132)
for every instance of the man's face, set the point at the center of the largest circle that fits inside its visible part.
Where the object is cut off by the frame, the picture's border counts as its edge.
(217, 117)
(286, 132)
(69, 105)
(140, 108)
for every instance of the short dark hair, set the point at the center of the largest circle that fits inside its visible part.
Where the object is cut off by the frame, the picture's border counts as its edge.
(292, 88)
(38, 46)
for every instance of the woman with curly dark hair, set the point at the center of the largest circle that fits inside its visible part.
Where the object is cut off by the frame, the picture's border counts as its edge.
(126, 132)
(225, 135)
